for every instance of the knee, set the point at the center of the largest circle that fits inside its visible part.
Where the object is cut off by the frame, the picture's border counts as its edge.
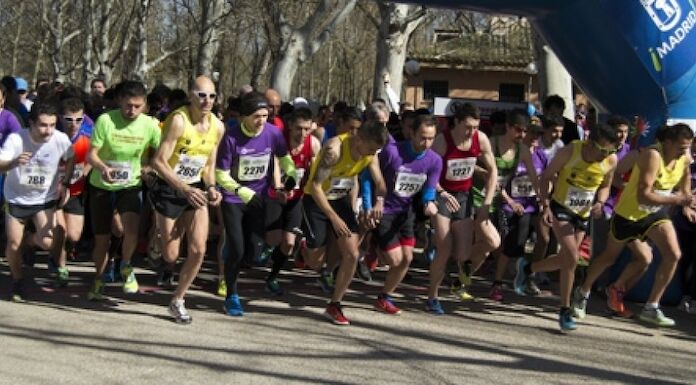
(196, 250)
(569, 261)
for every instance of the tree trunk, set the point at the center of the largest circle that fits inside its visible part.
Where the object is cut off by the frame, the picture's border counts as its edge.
(39, 56)
(87, 65)
(397, 24)
(211, 13)
(18, 35)
(140, 67)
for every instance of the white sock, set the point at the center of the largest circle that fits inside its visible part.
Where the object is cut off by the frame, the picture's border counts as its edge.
(651, 305)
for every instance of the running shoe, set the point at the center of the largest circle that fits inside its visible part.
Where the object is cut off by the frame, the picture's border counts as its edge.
(335, 314)
(52, 266)
(496, 293)
(109, 274)
(385, 305)
(166, 278)
(566, 321)
(233, 307)
(465, 274)
(273, 287)
(96, 292)
(130, 284)
(521, 279)
(656, 317)
(371, 260)
(615, 298)
(461, 292)
(579, 304)
(17, 293)
(62, 276)
(222, 288)
(433, 306)
(179, 312)
(687, 305)
(326, 282)
(262, 259)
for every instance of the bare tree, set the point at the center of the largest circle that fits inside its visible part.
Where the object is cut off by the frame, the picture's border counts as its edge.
(397, 23)
(212, 15)
(54, 14)
(298, 44)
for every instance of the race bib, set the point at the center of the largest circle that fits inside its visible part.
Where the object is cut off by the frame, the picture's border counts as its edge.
(340, 187)
(78, 172)
(408, 184)
(35, 177)
(522, 187)
(460, 169)
(653, 209)
(300, 175)
(253, 167)
(578, 200)
(189, 168)
(121, 172)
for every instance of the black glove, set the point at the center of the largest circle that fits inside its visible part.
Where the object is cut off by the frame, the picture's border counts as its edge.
(256, 203)
(289, 184)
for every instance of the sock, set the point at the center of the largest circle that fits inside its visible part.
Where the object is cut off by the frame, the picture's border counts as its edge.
(384, 296)
(584, 295)
(278, 259)
(651, 306)
(564, 309)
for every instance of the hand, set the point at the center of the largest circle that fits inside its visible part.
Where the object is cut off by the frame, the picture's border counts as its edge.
(450, 202)
(214, 196)
(22, 159)
(430, 209)
(597, 210)
(148, 178)
(106, 174)
(290, 183)
(517, 208)
(366, 220)
(250, 197)
(340, 227)
(377, 210)
(687, 200)
(690, 214)
(63, 195)
(196, 197)
(547, 215)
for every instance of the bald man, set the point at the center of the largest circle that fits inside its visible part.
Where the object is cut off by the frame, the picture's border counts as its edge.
(274, 102)
(185, 163)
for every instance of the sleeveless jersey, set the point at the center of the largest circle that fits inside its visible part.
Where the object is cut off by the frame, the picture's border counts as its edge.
(665, 181)
(192, 148)
(80, 148)
(457, 165)
(578, 181)
(303, 160)
(341, 179)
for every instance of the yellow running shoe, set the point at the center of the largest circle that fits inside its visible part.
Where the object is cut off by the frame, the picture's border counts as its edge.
(461, 293)
(222, 288)
(96, 293)
(130, 284)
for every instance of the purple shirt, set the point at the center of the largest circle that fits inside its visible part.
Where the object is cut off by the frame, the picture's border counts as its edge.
(406, 173)
(520, 188)
(614, 192)
(8, 125)
(250, 160)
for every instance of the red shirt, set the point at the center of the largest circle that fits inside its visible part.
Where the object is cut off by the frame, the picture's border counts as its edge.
(303, 160)
(458, 165)
(80, 148)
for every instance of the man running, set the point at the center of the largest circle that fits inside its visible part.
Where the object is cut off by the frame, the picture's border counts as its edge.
(244, 169)
(329, 207)
(32, 189)
(185, 164)
(409, 167)
(120, 144)
(640, 215)
(581, 174)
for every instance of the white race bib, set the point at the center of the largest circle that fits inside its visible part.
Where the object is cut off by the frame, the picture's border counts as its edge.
(189, 168)
(300, 172)
(408, 184)
(340, 187)
(460, 169)
(578, 200)
(121, 172)
(78, 172)
(522, 187)
(253, 167)
(653, 209)
(35, 177)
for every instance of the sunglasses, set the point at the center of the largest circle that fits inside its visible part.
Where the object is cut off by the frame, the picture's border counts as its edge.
(71, 119)
(204, 95)
(606, 151)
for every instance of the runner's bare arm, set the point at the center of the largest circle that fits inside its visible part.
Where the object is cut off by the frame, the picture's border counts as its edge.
(548, 177)
(377, 178)
(526, 158)
(624, 166)
(160, 161)
(488, 163)
(327, 158)
(605, 187)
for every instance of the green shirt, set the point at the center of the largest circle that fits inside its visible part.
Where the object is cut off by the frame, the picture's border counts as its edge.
(122, 144)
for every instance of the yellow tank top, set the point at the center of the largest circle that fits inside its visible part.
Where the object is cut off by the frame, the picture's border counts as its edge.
(665, 181)
(341, 180)
(578, 181)
(193, 147)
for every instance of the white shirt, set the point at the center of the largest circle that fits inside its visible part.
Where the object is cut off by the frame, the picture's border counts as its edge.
(36, 182)
(550, 152)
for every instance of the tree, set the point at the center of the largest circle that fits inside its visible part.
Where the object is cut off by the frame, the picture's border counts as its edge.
(298, 44)
(54, 14)
(212, 15)
(397, 24)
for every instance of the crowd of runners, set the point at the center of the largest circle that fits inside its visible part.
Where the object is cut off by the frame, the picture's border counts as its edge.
(123, 170)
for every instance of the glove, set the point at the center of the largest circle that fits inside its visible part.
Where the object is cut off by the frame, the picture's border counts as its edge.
(289, 183)
(250, 198)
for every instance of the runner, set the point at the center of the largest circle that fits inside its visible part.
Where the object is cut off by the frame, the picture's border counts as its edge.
(185, 163)
(32, 189)
(244, 170)
(640, 215)
(329, 207)
(581, 174)
(409, 167)
(120, 144)
(71, 217)
(284, 208)
(461, 147)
